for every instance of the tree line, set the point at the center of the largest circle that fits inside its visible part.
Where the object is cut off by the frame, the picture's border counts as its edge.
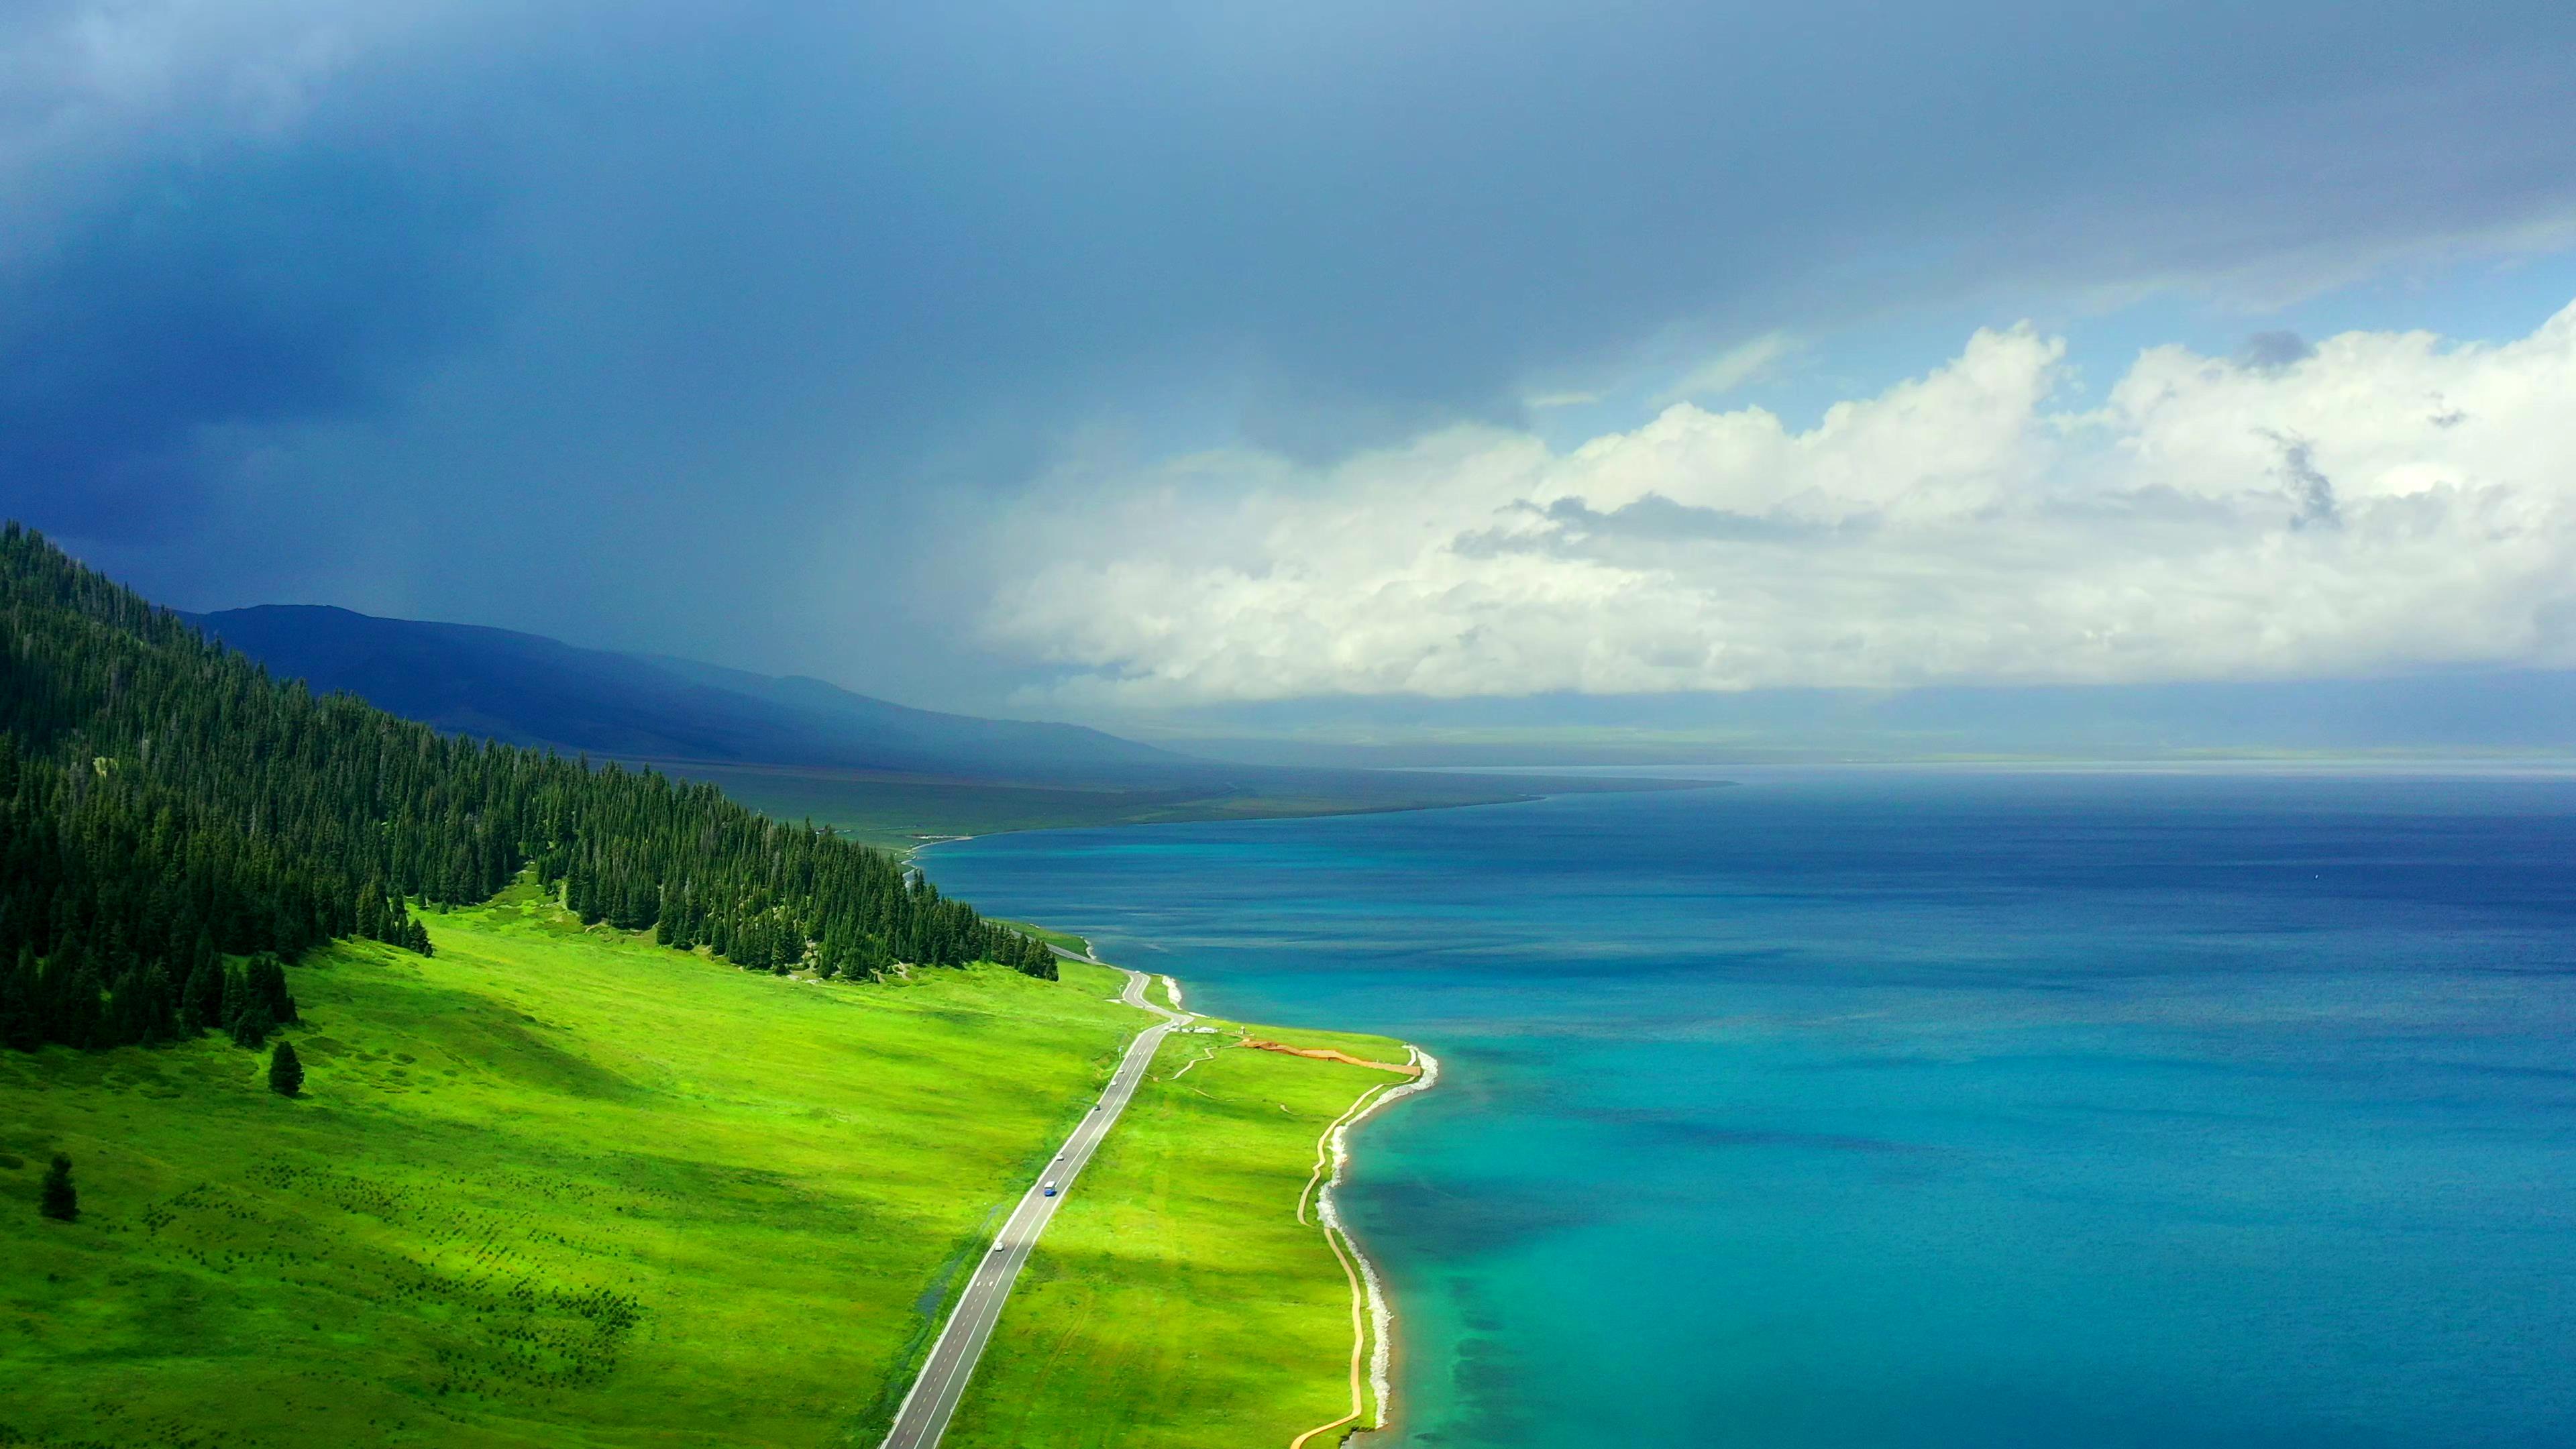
(175, 825)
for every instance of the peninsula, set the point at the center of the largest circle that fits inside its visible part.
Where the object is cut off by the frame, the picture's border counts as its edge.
(369, 1086)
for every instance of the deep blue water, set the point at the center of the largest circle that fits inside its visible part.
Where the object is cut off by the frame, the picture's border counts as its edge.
(1947, 1110)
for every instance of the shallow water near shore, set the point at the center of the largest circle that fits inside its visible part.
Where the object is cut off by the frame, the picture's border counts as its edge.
(1873, 1108)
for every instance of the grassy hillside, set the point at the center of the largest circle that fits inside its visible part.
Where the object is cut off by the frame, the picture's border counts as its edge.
(1176, 1302)
(546, 1187)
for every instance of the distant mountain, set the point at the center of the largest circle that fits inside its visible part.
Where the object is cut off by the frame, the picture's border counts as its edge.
(529, 690)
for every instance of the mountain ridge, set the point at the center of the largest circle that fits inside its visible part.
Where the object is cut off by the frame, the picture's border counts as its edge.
(528, 689)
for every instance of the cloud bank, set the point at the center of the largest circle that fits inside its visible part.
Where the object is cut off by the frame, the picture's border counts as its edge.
(2376, 502)
(721, 330)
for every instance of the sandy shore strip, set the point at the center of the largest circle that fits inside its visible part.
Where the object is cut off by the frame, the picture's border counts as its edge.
(1367, 1287)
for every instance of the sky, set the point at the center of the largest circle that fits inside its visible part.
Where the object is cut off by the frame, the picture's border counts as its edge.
(1127, 360)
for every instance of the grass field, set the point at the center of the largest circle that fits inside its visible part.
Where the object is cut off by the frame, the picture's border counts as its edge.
(1176, 1302)
(550, 1187)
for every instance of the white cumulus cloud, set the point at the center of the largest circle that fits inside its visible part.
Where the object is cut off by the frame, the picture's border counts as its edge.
(2386, 501)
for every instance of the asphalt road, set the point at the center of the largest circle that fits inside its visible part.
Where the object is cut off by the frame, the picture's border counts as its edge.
(926, 1410)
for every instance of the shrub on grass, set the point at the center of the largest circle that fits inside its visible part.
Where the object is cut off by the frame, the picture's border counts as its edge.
(61, 1200)
(285, 1072)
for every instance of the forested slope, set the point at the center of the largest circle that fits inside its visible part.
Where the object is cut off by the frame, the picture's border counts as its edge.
(165, 805)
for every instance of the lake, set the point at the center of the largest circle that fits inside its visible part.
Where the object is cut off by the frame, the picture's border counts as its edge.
(1862, 1108)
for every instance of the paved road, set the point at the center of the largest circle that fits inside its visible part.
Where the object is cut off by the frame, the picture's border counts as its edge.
(934, 1396)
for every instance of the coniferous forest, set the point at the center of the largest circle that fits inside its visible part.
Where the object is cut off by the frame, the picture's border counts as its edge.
(175, 826)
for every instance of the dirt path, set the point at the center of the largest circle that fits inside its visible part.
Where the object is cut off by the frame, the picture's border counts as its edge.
(1323, 1054)
(1359, 1337)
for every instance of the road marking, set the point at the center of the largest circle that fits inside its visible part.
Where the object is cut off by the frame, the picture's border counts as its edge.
(921, 1420)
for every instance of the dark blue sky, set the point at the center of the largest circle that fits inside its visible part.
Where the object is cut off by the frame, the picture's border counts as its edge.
(808, 336)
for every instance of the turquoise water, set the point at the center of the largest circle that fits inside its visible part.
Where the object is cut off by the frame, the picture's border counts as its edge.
(1872, 1109)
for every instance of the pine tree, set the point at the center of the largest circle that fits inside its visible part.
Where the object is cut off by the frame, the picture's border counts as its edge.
(22, 1022)
(61, 1201)
(266, 978)
(251, 1025)
(201, 1001)
(79, 1006)
(285, 1072)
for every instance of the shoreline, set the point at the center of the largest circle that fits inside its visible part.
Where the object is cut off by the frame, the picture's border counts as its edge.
(1378, 1304)
(1373, 1305)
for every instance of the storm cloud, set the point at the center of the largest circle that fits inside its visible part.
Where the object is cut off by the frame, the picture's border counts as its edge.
(730, 331)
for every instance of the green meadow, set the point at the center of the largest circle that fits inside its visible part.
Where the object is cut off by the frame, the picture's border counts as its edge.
(548, 1187)
(1176, 1302)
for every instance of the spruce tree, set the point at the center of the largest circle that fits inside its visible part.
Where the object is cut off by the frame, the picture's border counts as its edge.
(201, 1001)
(80, 1007)
(22, 1023)
(251, 1025)
(285, 1072)
(61, 1201)
(266, 978)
